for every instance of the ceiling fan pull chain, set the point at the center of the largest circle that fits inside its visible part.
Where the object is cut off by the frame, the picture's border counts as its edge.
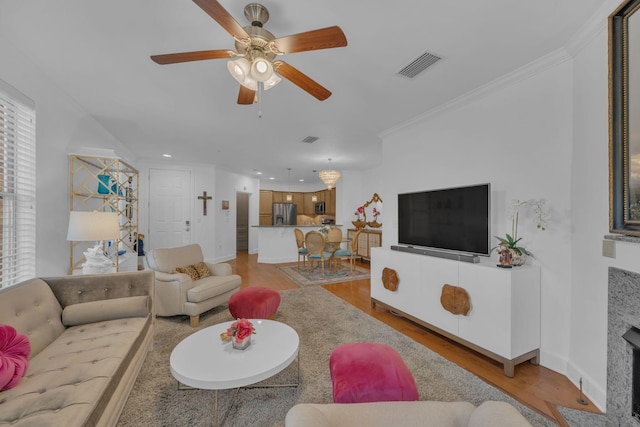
(260, 87)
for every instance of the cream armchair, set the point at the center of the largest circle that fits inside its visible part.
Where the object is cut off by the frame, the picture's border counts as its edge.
(201, 287)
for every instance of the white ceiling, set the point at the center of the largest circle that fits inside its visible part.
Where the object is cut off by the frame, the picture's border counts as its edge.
(98, 52)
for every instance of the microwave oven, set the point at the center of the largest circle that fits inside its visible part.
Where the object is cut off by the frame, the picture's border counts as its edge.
(319, 208)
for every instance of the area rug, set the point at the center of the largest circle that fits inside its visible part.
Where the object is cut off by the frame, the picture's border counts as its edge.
(314, 277)
(323, 321)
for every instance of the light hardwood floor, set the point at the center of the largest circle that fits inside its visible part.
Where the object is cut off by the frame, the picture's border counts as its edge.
(537, 387)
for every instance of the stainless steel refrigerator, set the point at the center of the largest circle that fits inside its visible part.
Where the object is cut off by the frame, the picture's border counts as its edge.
(284, 213)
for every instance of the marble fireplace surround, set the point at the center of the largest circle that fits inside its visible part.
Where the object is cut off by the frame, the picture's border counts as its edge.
(624, 312)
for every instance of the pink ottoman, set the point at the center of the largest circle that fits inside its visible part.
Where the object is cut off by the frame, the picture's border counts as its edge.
(254, 302)
(370, 372)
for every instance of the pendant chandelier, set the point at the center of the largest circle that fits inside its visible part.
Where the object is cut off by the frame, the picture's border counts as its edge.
(329, 177)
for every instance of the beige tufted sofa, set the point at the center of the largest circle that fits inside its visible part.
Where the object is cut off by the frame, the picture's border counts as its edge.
(416, 414)
(89, 336)
(177, 293)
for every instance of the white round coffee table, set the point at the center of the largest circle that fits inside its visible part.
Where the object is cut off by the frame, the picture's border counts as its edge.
(204, 361)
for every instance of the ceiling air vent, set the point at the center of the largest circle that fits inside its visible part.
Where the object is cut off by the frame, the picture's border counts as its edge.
(310, 139)
(419, 64)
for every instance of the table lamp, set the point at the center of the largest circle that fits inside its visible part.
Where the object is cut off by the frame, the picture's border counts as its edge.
(98, 226)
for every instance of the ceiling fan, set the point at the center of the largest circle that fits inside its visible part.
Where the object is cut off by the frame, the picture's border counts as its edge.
(257, 48)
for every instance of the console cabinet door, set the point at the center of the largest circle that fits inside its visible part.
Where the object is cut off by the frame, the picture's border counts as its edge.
(410, 294)
(420, 285)
(488, 322)
(505, 314)
(435, 273)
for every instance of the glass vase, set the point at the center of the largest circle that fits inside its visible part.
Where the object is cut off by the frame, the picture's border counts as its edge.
(241, 344)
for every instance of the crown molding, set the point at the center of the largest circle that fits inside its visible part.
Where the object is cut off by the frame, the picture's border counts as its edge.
(521, 74)
(590, 29)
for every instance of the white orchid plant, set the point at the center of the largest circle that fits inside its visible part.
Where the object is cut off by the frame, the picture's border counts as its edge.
(541, 217)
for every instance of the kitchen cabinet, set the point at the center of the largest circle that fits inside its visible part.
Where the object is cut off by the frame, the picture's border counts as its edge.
(266, 200)
(298, 199)
(266, 219)
(308, 205)
(278, 197)
(304, 202)
(330, 202)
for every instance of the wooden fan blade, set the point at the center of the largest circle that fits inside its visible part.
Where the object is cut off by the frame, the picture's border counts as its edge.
(173, 58)
(246, 96)
(222, 17)
(325, 38)
(301, 80)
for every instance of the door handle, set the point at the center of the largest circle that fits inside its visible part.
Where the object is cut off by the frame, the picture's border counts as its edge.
(187, 225)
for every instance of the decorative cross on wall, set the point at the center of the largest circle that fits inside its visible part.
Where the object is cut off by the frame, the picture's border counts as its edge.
(204, 199)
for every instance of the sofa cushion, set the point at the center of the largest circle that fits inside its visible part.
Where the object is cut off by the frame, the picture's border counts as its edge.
(189, 270)
(166, 259)
(33, 310)
(14, 356)
(212, 286)
(202, 269)
(494, 413)
(374, 414)
(99, 311)
(196, 271)
(65, 381)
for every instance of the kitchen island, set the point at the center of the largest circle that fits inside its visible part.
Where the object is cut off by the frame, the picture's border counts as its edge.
(277, 243)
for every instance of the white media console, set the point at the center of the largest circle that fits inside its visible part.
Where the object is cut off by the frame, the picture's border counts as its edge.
(504, 320)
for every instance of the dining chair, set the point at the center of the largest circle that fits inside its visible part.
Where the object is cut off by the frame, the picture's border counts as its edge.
(315, 244)
(334, 236)
(302, 251)
(334, 240)
(351, 252)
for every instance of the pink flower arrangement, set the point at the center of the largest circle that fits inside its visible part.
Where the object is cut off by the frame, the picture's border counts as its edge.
(375, 214)
(241, 329)
(359, 212)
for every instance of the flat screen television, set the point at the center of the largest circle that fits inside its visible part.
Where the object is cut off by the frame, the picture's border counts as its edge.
(451, 219)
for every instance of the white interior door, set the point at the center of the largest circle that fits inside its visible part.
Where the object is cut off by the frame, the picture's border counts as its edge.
(169, 208)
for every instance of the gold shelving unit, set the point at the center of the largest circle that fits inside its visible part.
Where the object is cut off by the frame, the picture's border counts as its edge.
(104, 184)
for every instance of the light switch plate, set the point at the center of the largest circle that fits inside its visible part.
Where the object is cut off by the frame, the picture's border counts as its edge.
(609, 248)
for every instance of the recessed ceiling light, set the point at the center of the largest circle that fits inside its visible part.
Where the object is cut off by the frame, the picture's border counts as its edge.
(258, 173)
(166, 155)
(301, 180)
(271, 177)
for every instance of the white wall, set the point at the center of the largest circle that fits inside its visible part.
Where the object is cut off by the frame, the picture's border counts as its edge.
(61, 127)
(517, 135)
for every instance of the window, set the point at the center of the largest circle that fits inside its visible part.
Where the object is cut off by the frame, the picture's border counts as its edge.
(17, 186)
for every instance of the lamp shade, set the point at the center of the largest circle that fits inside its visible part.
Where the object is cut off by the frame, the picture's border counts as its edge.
(89, 226)
(273, 80)
(240, 70)
(261, 70)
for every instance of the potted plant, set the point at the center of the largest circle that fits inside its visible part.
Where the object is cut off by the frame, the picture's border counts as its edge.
(511, 241)
(359, 222)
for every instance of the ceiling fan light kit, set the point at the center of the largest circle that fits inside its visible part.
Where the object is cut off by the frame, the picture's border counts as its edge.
(258, 48)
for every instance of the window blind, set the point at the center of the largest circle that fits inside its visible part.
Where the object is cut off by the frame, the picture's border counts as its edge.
(17, 186)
